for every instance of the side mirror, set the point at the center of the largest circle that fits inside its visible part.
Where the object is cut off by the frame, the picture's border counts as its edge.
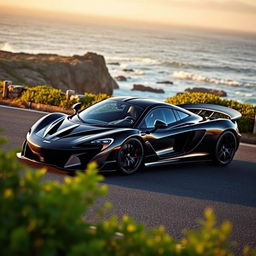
(160, 124)
(76, 107)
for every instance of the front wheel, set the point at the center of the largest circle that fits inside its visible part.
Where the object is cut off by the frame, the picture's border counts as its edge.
(130, 156)
(225, 148)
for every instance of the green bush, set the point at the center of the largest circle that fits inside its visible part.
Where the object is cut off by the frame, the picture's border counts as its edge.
(87, 101)
(248, 111)
(39, 217)
(42, 94)
(1, 89)
(91, 99)
(47, 95)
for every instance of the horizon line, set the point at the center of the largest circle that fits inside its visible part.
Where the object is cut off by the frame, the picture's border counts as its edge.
(125, 21)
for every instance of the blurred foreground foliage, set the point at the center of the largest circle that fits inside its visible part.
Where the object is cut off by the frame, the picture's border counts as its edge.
(42, 217)
(248, 111)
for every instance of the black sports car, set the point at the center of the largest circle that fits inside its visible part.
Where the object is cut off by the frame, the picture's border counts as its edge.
(126, 133)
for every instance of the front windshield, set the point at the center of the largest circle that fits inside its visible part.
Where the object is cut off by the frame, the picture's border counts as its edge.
(111, 113)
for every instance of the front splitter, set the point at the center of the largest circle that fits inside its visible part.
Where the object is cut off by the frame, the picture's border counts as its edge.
(50, 167)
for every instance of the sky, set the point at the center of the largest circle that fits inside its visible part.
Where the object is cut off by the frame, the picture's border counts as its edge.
(237, 15)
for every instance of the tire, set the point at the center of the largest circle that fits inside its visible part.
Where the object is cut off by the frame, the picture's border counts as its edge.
(225, 148)
(130, 156)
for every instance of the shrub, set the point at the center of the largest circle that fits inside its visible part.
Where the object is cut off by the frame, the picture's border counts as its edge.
(91, 99)
(42, 94)
(45, 218)
(1, 89)
(248, 111)
(67, 103)
(87, 101)
(47, 95)
(48, 218)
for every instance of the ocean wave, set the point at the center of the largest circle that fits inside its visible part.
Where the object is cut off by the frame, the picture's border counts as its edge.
(136, 60)
(6, 47)
(199, 78)
(177, 64)
(139, 72)
(249, 85)
(236, 70)
(244, 94)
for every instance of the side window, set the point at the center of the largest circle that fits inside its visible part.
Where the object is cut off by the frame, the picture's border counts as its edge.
(153, 115)
(169, 116)
(181, 114)
(163, 114)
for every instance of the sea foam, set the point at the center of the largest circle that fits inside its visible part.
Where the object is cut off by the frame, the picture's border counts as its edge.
(6, 47)
(200, 78)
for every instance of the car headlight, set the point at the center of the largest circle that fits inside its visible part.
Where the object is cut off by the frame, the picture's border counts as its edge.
(104, 142)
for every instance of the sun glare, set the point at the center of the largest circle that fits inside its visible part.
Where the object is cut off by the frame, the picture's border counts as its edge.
(225, 14)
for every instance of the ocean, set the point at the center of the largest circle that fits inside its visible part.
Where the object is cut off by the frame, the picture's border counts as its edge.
(187, 57)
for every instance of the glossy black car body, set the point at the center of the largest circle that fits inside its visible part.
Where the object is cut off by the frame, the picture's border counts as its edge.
(125, 133)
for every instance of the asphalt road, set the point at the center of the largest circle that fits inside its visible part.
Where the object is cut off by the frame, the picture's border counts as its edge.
(175, 195)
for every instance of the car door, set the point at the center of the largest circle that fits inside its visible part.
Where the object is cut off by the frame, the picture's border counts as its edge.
(161, 139)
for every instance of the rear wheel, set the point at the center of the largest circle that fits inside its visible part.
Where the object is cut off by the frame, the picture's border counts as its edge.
(130, 156)
(225, 148)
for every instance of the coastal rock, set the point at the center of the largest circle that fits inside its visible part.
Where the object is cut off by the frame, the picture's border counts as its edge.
(77, 97)
(114, 63)
(86, 73)
(121, 78)
(143, 88)
(69, 93)
(15, 91)
(164, 82)
(220, 93)
(128, 70)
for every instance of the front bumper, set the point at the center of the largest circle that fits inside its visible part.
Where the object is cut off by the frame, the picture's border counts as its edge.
(66, 159)
(36, 164)
(70, 159)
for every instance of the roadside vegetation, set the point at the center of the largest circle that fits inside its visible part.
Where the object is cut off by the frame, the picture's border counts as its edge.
(47, 95)
(39, 217)
(248, 111)
(1, 89)
(50, 96)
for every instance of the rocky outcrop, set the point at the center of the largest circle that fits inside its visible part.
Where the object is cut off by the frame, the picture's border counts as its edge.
(220, 93)
(128, 70)
(143, 88)
(15, 91)
(164, 82)
(114, 63)
(121, 78)
(87, 73)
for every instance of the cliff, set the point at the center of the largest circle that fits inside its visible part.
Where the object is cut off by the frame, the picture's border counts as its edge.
(87, 73)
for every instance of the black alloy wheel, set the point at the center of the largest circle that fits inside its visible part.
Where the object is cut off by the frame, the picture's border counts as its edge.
(130, 156)
(225, 148)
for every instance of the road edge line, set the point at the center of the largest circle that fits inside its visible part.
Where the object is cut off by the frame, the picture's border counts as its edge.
(24, 109)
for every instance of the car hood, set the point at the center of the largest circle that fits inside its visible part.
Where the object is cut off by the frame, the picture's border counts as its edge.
(65, 128)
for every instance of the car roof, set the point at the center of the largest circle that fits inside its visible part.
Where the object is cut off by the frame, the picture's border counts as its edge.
(151, 103)
(142, 102)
